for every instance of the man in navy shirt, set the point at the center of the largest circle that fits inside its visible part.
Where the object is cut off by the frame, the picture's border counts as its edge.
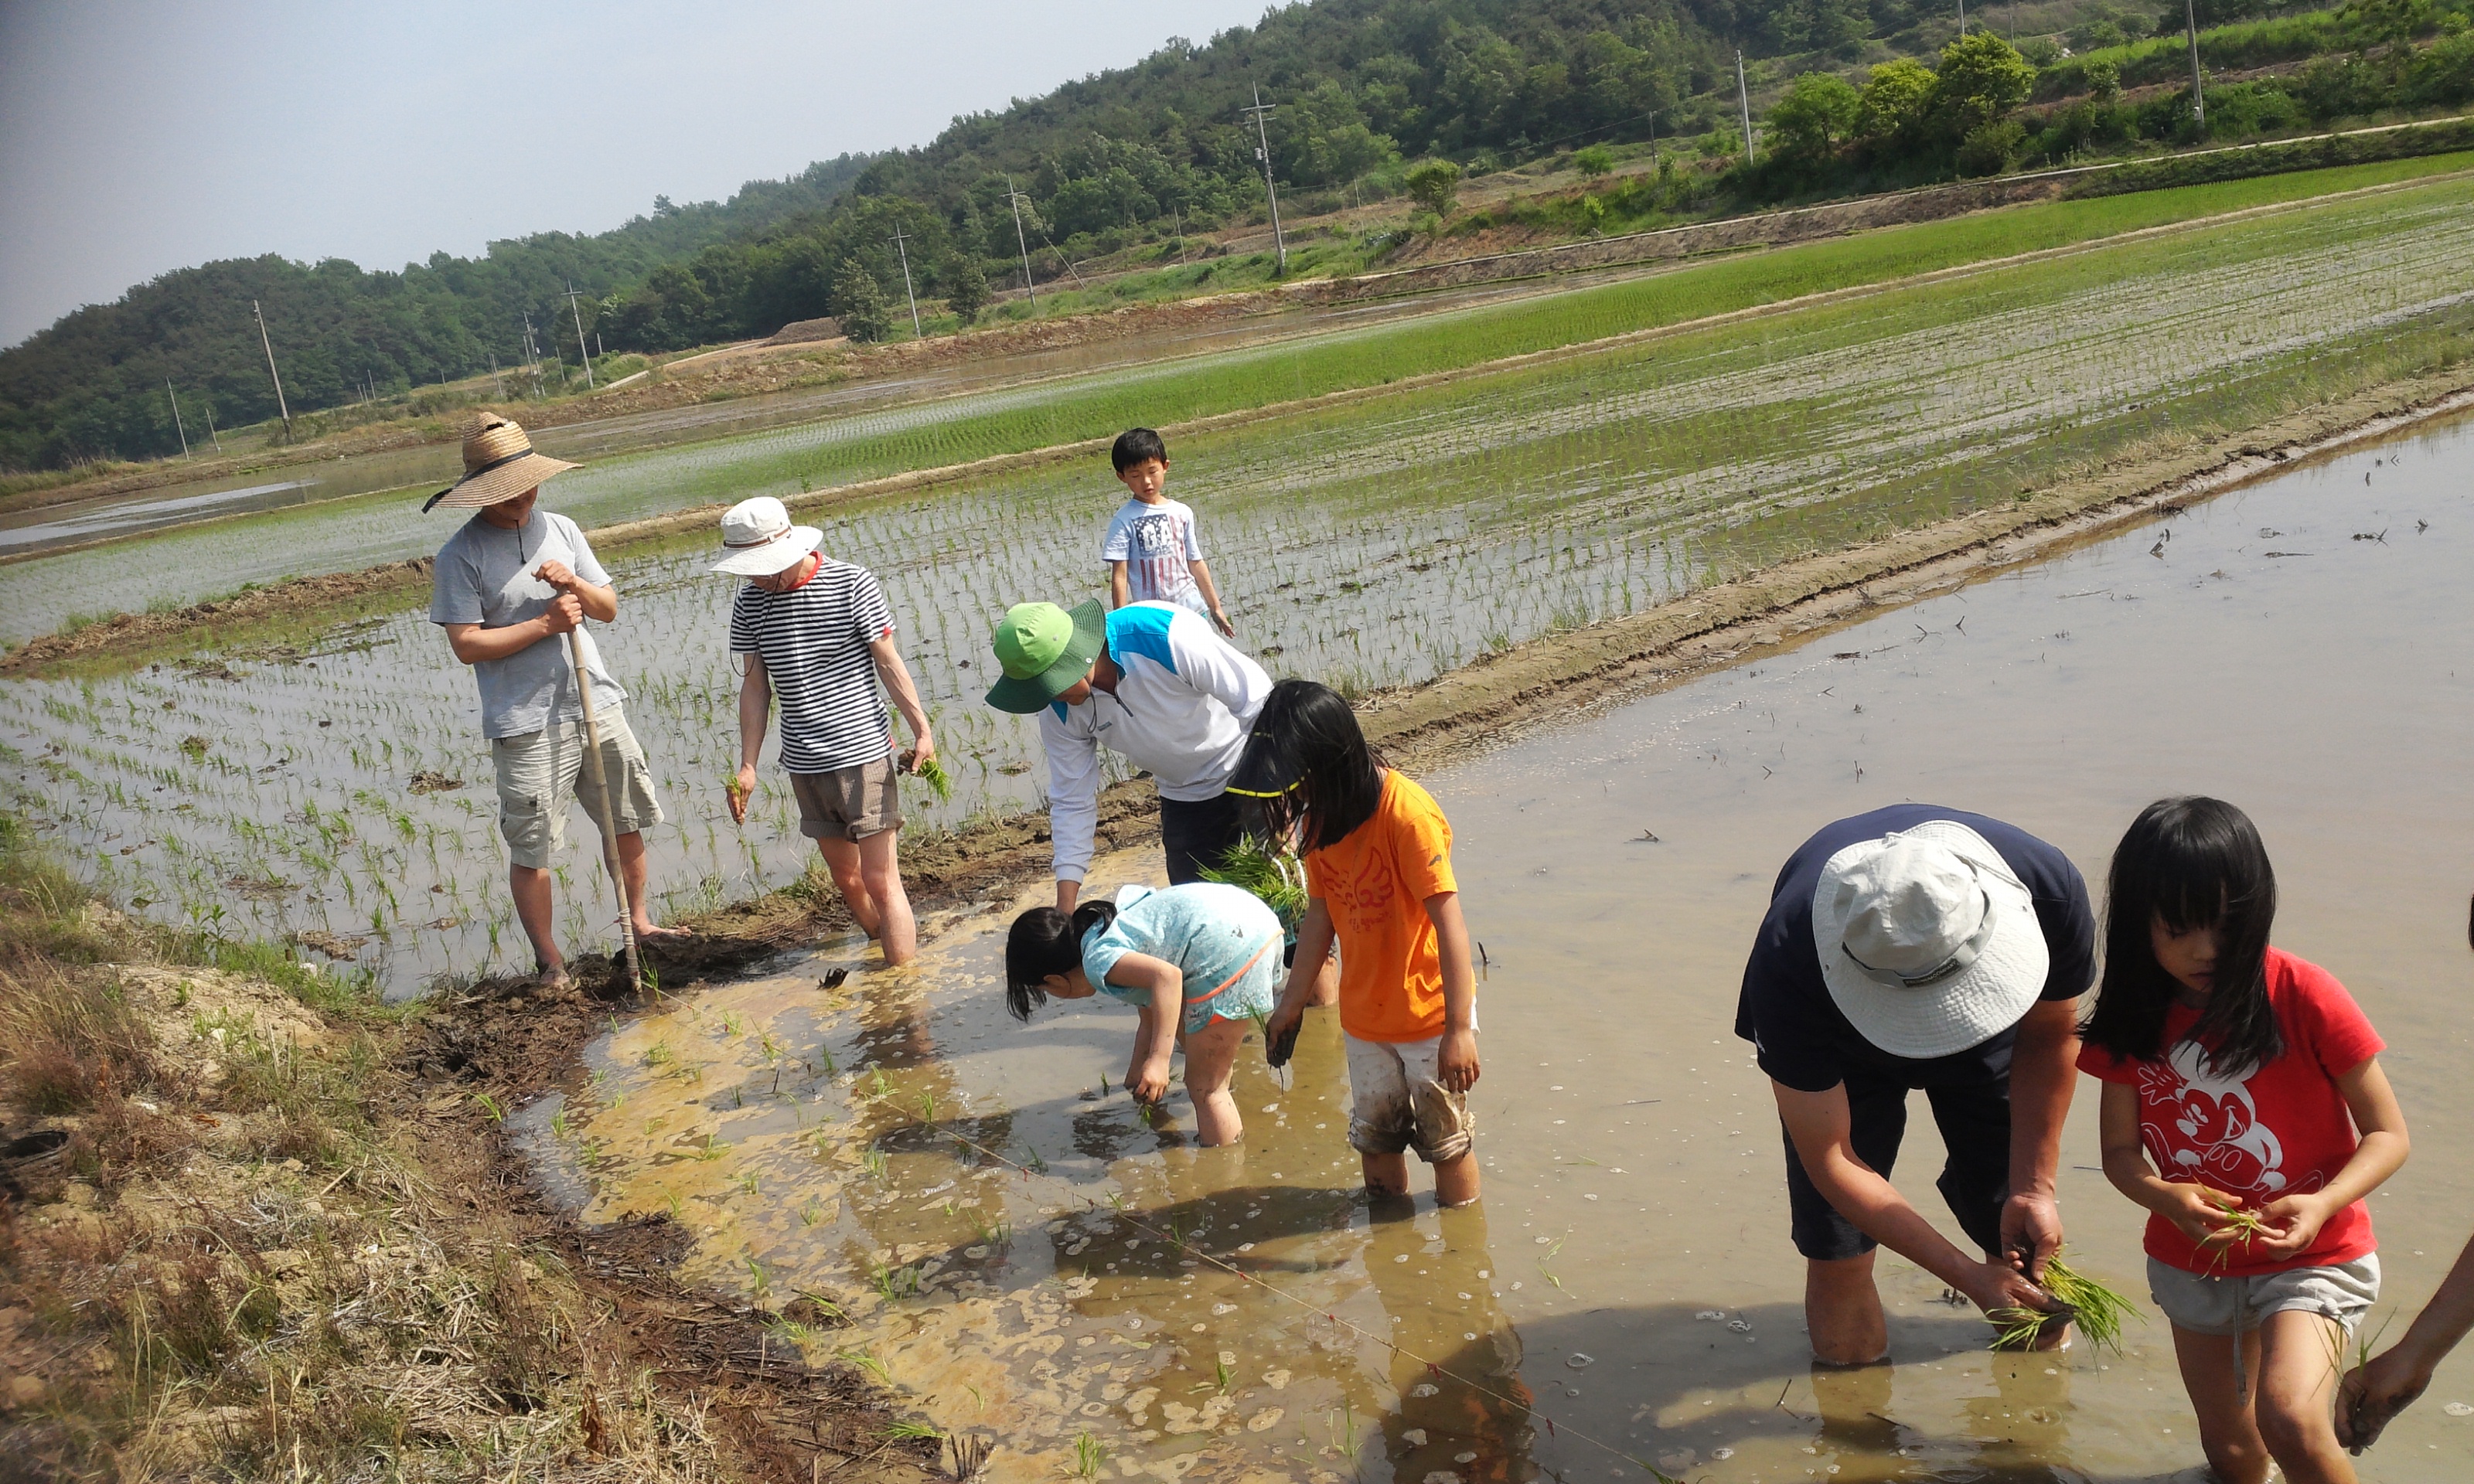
(1920, 947)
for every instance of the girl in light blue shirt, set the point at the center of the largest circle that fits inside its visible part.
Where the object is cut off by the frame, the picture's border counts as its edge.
(1200, 962)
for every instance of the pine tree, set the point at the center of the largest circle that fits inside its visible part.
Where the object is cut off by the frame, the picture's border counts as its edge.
(966, 287)
(860, 300)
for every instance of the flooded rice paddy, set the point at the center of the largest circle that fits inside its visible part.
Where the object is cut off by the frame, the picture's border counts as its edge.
(338, 786)
(1026, 1258)
(1600, 477)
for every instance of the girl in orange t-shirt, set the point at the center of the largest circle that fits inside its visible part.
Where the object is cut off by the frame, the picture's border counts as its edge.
(1379, 858)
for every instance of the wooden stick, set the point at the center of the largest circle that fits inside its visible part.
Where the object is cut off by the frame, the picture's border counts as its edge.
(599, 780)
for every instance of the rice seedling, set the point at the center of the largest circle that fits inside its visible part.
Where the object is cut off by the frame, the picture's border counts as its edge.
(1086, 1457)
(1276, 877)
(870, 1364)
(908, 1429)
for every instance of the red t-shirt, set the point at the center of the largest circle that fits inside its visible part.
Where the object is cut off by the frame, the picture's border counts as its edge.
(2284, 1130)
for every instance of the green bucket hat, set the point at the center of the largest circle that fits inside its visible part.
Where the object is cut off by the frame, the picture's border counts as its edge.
(1044, 651)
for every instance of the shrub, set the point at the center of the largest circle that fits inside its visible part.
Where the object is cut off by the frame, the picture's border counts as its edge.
(1819, 112)
(1989, 149)
(966, 288)
(1434, 184)
(1594, 161)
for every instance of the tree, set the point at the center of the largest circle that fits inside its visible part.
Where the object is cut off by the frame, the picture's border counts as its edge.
(1819, 112)
(1594, 161)
(1897, 99)
(966, 287)
(860, 300)
(1434, 184)
(1982, 78)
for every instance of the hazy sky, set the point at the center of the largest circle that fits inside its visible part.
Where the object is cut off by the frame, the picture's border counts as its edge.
(138, 138)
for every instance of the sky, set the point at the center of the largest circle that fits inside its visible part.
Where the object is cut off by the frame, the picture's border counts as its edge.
(138, 138)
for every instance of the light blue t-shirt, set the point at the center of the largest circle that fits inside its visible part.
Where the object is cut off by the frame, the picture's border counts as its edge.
(484, 576)
(1222, 939)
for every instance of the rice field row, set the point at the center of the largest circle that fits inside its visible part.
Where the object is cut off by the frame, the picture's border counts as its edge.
(341, 792)
(200, 561)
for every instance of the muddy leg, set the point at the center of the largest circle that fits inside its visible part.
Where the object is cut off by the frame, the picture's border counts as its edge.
(1209, 1054)
(879, 872)
(2228, 1432)
(529, 885)
(1843, 1312)
(1385, 1174)
(1456, 1180)
(842, 858)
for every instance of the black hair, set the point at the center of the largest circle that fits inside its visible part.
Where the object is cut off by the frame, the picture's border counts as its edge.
(2188, 863)
(1045, 942)
(1308, 740)
(1135, 445)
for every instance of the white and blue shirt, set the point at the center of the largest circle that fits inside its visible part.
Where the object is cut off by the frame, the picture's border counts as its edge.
(1185, 701)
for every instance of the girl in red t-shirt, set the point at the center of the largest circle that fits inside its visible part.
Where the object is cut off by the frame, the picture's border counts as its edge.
(2240, 1079)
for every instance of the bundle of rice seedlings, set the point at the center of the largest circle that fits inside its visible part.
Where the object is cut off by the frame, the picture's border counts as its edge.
(932, 772)
(1278, 878)
(2100, 1310)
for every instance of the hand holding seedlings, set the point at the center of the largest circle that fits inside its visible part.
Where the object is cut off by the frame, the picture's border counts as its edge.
(739, 786)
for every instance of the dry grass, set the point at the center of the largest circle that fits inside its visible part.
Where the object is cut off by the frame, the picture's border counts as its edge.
(266, 1252)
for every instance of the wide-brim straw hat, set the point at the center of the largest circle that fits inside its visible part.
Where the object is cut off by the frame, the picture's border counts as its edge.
(1929, 943)
(498, 465)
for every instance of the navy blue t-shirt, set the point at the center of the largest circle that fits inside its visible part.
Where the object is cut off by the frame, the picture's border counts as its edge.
(1786, 1013)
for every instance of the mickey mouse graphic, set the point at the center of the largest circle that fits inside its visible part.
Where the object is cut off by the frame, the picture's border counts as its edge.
(2211, 1131)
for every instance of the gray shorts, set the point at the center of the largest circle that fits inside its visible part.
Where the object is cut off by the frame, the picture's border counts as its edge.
(1397, 1103)
(2235, 1305)
(849, 804)
(540, 771)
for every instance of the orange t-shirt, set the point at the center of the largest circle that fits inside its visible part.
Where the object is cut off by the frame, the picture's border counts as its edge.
(1375, 882)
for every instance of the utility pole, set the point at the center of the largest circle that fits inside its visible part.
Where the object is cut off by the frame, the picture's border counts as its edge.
(176, 419)
(2199, 97)
(916, 333)
(1962, 18)
(210, 427)
(1744, 99)
(1262, 110)
(587, 355)
(496, 385)
(1020, 241)
(279, 404)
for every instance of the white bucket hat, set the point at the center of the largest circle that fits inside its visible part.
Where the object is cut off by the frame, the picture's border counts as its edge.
(760, 539)
(1929, 943)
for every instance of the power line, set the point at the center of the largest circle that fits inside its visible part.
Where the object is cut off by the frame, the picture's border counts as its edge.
(916, 333)
(1262, 110)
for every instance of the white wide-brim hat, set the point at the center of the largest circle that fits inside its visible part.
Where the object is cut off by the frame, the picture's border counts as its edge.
(760, 539)
(1929, 943)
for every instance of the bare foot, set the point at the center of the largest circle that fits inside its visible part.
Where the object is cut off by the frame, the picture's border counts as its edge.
(549, 977)
(645, 930)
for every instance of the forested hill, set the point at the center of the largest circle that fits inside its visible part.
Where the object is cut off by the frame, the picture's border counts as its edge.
(93, 385)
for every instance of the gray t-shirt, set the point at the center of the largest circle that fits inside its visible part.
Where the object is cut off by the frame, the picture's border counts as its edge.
(484, 576)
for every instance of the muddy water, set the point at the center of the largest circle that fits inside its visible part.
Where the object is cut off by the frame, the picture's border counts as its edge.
(1007, 1232)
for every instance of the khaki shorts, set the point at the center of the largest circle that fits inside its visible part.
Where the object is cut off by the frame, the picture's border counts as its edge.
(2344, 1292)
(540, 771)
(849, 804)
(1396, 1102)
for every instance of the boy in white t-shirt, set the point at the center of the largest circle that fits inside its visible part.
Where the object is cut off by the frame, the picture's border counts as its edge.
(1151, 549)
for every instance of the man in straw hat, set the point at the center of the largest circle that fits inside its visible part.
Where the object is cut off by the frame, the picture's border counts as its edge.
(818, 637)
(1154, 683)
(1910, 947)
(510, 584)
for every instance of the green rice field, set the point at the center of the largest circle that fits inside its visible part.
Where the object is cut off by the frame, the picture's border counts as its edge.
(199, 562)
(340, 789)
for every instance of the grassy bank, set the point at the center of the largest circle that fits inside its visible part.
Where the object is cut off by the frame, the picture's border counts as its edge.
(266, 1231)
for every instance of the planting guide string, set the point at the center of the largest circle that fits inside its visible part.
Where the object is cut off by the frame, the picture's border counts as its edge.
(1177, 1240)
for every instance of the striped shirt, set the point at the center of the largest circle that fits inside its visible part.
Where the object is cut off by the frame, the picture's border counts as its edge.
(815, 642)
